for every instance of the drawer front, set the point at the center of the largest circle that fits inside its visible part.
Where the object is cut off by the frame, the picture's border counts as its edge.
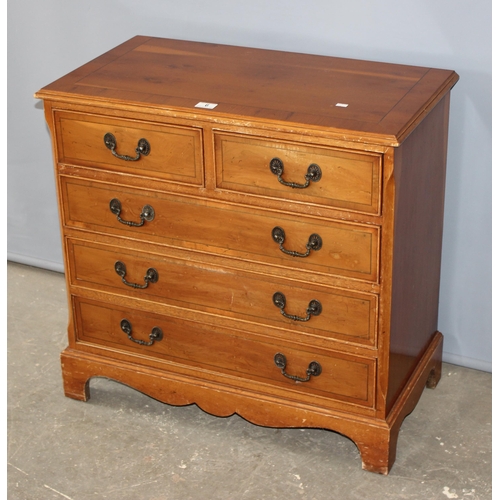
(336, 248)
(348, 180)
(344, 315)
(174, 154)
(193, 344)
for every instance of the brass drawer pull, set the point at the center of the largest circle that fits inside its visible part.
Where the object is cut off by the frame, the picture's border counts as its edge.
(313, 173)
(150, 277)
(315, 243)
(155, 335)
(314, 368)
(147, 214)
(143, 148)
(314, 308)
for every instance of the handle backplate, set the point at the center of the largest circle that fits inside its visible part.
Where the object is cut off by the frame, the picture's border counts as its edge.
(315, 243)
(314, 308)
(155, 335)
(313, 370)
(313, 173)
(147, 213)
(143, 148)
(150, 277)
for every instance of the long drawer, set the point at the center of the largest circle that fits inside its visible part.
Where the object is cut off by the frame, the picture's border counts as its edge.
(294, 171)
(335, 248)
(340, 376)
(170, 152)
(264, 300)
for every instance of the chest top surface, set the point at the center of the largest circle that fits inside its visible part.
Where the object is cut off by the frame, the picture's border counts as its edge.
(384, 101)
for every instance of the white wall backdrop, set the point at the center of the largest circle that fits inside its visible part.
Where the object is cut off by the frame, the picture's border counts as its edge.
(49, 38)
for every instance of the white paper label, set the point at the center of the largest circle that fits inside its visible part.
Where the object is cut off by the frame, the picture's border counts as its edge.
(205, 105)
(341, 105)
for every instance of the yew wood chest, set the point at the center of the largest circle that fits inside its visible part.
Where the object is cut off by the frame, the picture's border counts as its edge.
(253, 231)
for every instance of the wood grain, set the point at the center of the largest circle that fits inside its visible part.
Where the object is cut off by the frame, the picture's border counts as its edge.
(348, 181)
(378, 131)
(192, 285)
(175, 151)
(189, 343)
(347, 249)
(384, 100)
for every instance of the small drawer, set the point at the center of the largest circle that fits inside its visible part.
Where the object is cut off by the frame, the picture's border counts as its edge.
(169, 152)
(196, 345)
(293, 171)
(270, 302)
(334, 248)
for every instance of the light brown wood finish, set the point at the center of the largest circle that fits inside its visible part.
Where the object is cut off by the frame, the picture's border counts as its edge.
(377, 131)
(348, 180)
(186, 284)
(347, 249)
(343, 377)
(175, 151)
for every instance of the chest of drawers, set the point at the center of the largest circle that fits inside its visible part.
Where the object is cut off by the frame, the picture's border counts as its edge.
(256, 232)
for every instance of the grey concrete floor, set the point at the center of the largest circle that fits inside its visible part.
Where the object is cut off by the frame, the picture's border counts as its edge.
(123, 445)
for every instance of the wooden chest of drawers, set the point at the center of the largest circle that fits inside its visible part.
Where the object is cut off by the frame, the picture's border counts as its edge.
(256, 232)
